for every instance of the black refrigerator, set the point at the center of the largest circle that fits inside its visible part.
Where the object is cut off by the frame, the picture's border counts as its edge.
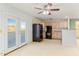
(37, 32)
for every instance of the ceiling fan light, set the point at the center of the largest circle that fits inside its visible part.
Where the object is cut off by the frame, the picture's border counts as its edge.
(45, 12)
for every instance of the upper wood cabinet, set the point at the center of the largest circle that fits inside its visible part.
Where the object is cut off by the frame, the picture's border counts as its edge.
(58, 24)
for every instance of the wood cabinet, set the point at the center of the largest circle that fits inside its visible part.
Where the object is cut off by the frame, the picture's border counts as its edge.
(63, 24)
(57, 26)
(56, 35)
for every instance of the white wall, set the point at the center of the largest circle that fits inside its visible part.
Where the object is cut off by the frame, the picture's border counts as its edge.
(6, 11)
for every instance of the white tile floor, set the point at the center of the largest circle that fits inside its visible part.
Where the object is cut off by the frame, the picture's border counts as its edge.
(45, 48)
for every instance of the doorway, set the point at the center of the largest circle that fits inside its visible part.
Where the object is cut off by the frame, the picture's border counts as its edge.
(74, 25)
(77, 29)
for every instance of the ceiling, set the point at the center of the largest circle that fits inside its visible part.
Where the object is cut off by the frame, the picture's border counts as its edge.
(66, 10)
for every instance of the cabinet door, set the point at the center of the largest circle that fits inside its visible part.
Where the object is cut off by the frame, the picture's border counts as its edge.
(11, 33)
(23, 31)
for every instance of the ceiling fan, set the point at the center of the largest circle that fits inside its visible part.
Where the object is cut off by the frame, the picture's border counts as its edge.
(47, 9)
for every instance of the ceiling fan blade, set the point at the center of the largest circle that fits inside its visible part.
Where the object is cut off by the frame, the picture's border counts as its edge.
(38, 8)
(54, 9)
(50, 4)
(40, 12)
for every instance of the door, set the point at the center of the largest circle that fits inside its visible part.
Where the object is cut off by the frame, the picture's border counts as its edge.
(23, 31)
(11, 33)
